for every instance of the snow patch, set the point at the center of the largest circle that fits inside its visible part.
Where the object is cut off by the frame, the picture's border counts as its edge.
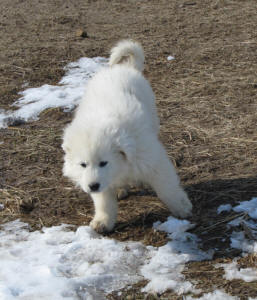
(239, 241)
(238, 238)
(173, 225)
(170, 57)
(164, 271)
(216, 295)
(58, 263)
(66, 95)
(224, 207)
(243, 240)
(232, 272)
(249, 207)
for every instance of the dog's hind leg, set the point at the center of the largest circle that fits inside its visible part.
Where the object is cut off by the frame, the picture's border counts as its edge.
(122, 193)
(164, 180)
(105, 211)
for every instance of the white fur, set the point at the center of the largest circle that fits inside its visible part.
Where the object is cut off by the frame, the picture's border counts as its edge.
(117, 123)
(128, 52)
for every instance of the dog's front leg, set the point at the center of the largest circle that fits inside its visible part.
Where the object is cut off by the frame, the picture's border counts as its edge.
(105, 211)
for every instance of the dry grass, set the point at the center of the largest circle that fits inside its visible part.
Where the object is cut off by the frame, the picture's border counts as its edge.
(206, 99)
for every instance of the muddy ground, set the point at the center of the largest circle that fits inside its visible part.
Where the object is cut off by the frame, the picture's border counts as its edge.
(206, 100)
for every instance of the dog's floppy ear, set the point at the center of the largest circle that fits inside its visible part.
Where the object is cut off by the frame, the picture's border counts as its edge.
(126, 146)
(67, 135)
(65, 147)
(123, 154)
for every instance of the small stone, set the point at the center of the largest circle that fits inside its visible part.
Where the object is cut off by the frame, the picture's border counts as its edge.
(81, 33)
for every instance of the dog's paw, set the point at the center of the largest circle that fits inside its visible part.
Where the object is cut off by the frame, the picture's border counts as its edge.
(101, 225)
(122, 194)
(179, 205)
(183, 208)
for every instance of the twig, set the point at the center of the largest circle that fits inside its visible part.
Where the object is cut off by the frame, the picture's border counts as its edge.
(221, 222)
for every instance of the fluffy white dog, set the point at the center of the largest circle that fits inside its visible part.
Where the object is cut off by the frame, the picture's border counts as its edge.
(113, 139)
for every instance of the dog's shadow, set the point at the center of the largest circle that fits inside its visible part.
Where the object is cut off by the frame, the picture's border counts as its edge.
(212, 227)
(206, 197)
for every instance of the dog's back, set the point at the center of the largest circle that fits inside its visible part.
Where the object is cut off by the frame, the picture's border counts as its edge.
(120, 93)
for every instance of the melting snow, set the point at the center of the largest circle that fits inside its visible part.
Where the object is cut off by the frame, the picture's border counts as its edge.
(249, 207)
(66, 95)
(224, 207)
(240, 241)
(232, 272)
(238, 238)
(59, 263)
(216, 295)
(170, 57)
(165, 267)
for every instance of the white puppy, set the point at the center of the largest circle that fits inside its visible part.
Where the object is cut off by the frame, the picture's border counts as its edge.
(113, 139)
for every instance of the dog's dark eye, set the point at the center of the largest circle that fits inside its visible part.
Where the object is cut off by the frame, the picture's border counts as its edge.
(103, 163)
(83, 165)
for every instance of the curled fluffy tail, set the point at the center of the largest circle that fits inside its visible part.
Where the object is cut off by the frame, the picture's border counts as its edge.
(128, 52)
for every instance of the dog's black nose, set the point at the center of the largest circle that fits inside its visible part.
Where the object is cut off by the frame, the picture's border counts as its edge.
(94, 186)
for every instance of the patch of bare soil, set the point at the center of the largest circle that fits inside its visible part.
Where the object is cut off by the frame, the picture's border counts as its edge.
(206, 99)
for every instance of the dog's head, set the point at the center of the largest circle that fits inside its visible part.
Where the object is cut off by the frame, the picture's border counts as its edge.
(96, 160)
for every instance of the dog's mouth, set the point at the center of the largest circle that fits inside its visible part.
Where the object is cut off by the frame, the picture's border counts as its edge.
(95, 192)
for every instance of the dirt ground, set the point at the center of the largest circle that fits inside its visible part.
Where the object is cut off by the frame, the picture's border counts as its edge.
(206, 100)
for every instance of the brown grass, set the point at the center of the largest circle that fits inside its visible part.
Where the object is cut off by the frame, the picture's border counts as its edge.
(206, 99)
